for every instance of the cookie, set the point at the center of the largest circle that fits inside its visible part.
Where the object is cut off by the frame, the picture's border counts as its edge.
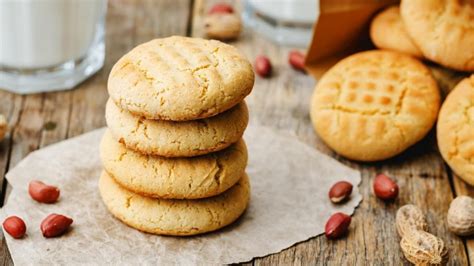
(443, 30)
(180, 78)
(175, 178)
(455, 130)
(174, 217)
(375, 104)
(177, 139)
(388, 32)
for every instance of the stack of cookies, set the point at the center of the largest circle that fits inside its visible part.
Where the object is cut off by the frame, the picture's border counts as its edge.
(173, 153)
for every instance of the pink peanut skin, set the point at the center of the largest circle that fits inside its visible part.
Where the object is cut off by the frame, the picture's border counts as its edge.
(43, 193)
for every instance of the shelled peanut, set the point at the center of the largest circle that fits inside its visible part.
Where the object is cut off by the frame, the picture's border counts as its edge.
(14, 226)
(263, 66)
(385, 188)
(43, 193)
(55, 225)
(337, 225)
(418, 246)
(461, 216)
(340, 192)
(296, 60)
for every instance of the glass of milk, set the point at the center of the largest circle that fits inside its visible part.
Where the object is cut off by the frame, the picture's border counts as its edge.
(48, 45)
(287, 22)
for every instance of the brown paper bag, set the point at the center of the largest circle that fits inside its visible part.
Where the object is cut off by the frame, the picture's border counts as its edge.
(342, 29)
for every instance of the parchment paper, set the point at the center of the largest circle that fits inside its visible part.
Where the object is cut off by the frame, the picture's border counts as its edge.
(289, 204)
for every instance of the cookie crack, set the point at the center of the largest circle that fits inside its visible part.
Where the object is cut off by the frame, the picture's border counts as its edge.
(218, 174)
(468, 122)
(345, 109)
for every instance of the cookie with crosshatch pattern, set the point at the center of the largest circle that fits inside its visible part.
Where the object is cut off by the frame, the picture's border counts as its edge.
(455, 130)
(443, 30)
(388, 32)
(173, 178)
(180, 78)
(375, 104)
(177, 139)
(175, 217)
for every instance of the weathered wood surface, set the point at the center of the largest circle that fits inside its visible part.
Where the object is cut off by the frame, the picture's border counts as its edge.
(280, 102)
(71, 113)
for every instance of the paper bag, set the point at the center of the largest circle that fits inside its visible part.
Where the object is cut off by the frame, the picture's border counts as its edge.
(342, 29)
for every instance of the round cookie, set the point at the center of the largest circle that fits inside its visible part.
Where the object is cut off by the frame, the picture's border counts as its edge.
(455, 130)
(442, 29)
(375, 104)
(173, 178)
(175, 217)
(180, 78)
(177, 139)
(388, 32)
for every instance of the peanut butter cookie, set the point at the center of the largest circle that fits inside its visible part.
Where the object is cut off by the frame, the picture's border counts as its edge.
(175, 217)
(373, 105)
(180, 78)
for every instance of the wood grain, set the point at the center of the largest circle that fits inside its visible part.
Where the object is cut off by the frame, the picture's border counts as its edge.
(71, 113)
(280, 102)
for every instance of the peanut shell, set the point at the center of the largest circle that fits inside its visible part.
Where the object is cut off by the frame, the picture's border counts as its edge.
(422, 248)
(409, 218)
(461, 216)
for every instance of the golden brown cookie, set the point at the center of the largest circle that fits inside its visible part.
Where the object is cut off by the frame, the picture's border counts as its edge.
(442, 29)
(180, 78)
(175, 217)
(174, 178)
(375, 104)
(455, 130)
(177, 139)
(388, 32)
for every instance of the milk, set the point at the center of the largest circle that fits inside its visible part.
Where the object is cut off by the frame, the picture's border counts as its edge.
(295, 11)
(48, 45)
(287, 22)
(45, 33)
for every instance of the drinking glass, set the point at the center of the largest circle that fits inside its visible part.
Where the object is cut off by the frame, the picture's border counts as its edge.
(48, 45)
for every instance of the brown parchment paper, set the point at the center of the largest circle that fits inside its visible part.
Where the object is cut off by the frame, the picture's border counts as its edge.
(289, 204)
(342, 29)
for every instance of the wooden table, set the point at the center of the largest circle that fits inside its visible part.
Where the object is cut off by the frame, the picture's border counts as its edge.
(280, 102)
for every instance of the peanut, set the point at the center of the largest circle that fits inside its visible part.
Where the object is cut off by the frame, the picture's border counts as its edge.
(461, 216)
(337, 225)
(43, 193)
(418, 246)
(296, 60)
(263, 67)
(340, 191)
(422, 248)
(55, 225)
(3, 127)
(14, 226)
(221, 8)
(409, 218)
(222, 26)
(385, 188)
